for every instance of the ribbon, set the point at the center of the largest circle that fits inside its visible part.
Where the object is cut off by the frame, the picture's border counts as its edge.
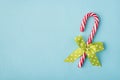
(90, 50)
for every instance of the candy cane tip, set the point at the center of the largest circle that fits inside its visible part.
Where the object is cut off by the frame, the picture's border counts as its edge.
(81, 30)
(79, 66)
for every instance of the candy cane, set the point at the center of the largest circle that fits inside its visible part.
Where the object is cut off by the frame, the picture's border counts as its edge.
(92, 34)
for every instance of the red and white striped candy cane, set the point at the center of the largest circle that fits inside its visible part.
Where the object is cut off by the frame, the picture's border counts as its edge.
(92, 34)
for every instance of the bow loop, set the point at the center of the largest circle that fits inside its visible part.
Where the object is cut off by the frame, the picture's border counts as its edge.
(80, 42)
(96, 46)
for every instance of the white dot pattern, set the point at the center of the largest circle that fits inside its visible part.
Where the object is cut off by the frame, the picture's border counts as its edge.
(89, 49)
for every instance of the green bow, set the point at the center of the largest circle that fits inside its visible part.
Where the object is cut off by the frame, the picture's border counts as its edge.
(89, 49)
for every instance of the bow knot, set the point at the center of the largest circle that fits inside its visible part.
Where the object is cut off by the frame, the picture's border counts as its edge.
(89, 49)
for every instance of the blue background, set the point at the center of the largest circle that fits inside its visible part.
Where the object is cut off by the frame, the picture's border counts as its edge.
(37, 35)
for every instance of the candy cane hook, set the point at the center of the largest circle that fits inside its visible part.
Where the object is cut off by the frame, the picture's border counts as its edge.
(92, 34)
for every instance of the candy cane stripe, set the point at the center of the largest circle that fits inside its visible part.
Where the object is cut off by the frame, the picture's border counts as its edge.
(92, 34)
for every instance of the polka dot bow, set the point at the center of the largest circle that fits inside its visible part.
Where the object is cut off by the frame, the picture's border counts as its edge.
(90, 50)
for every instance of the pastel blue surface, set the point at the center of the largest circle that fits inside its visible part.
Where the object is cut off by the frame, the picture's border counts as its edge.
(37, 35)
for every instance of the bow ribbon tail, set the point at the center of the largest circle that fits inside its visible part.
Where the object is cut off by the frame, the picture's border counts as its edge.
(93, 58)
(74, 55)
(91, 53)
